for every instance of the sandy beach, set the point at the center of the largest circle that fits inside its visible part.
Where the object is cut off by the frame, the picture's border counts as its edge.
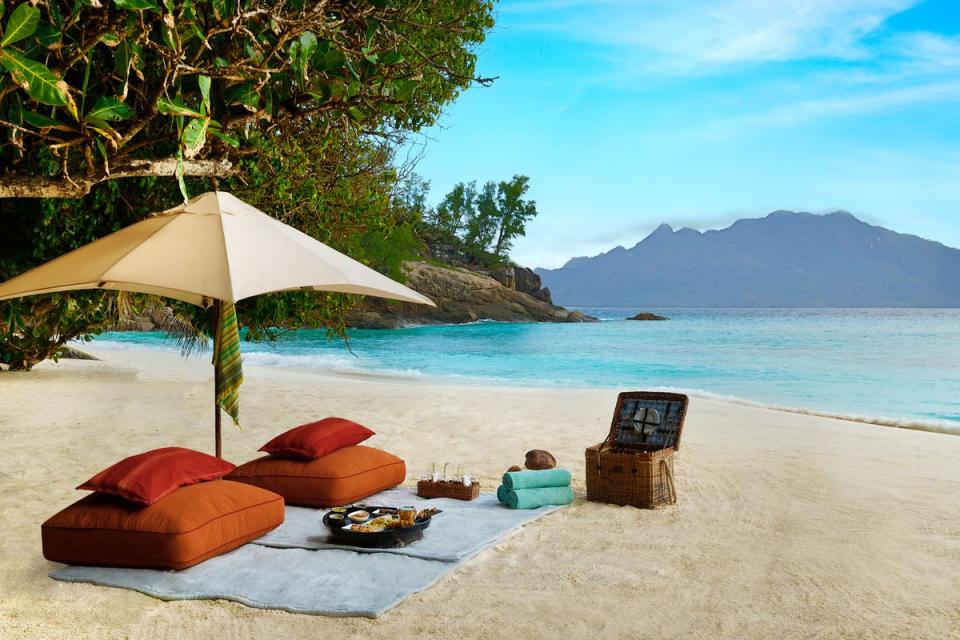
(788, 525)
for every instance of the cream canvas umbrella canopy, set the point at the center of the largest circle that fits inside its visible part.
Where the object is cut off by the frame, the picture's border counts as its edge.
(214, 248)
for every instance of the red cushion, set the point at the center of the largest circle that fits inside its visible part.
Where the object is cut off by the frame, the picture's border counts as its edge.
(317, 439)
(147, 477)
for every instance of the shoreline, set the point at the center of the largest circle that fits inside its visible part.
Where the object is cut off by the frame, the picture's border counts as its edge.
(946, 427)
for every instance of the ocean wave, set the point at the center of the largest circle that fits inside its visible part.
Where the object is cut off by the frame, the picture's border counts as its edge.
(312, 361)
(336, 363)
(122, 345)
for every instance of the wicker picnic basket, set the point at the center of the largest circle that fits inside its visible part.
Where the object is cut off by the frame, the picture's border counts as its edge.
(634, 465)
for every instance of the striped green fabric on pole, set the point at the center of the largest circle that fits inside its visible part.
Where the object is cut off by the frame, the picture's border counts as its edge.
(226, 358)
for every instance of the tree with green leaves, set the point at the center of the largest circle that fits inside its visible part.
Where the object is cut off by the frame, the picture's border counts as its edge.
(450, 216)
(95, 91)
(112, 109)
(512, 213)
(487, 221)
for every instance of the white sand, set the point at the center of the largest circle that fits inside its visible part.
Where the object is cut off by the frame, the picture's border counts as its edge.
(788, 526)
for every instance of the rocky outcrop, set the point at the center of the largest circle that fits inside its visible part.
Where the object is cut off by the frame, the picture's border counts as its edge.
(526, 281)
(523, 280)
(646, 315)
(74, 354)
(464, 296)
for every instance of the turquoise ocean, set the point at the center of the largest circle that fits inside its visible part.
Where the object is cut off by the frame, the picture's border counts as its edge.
(895, 366)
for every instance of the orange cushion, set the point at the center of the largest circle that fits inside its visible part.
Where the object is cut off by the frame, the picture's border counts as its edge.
(190, 525)
(341, 477)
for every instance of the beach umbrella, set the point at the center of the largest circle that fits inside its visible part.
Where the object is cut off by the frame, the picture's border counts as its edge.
(213, 251)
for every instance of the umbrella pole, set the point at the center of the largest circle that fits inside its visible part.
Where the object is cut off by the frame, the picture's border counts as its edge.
(216, 379)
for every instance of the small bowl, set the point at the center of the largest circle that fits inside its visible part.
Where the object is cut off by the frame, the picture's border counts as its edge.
(342, 510)
(337, 519)
(359, 516)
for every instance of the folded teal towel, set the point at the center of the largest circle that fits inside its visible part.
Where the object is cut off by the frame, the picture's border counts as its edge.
(536, 479)
(534, 498)
(502, 494)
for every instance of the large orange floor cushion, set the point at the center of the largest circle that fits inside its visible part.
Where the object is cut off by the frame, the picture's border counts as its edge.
(188, 526)
(338, 478)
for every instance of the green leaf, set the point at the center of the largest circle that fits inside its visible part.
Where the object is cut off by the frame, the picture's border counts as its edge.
(136, 5)
(22, 23)
(106, 157)
(110, 109)
(334, 60)
(176, 107)
(242, 95)
(403, 89)
(322, 91)
(170, 36)
(102, 127)
(372, 27)
(195, 30)
(54, 14)
(39, 82)
(71, 105)
(39, 120)
(394, 57)
(47, 35)
(204, 82)
(194, 135)
(180, 181)
(122, 58)
(110, 39)
(301, 51)
(230, 140)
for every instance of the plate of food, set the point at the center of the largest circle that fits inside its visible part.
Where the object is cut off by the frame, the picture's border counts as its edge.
(378, 527)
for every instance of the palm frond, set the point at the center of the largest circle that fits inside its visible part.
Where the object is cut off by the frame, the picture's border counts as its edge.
(128, 310)
(179, 329)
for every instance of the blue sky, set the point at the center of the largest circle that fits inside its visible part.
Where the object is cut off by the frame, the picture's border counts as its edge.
(696, 113)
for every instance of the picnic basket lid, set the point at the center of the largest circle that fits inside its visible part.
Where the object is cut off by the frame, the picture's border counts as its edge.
(647, 420)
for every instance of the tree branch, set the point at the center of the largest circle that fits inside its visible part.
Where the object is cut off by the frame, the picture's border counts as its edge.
(19, 186)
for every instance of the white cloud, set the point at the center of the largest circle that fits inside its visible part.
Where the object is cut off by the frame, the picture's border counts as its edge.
(928, 52)
(697, 35)
(877, 69)
(794, 113)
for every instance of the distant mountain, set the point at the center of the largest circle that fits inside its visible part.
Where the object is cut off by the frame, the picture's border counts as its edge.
(786, 259)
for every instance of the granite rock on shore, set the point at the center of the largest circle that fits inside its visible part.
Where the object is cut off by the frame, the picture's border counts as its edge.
(511, 294)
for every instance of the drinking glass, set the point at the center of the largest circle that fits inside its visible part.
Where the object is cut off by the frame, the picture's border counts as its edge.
(407, 516)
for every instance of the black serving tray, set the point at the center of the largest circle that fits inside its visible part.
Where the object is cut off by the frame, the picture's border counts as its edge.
(386, 539)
